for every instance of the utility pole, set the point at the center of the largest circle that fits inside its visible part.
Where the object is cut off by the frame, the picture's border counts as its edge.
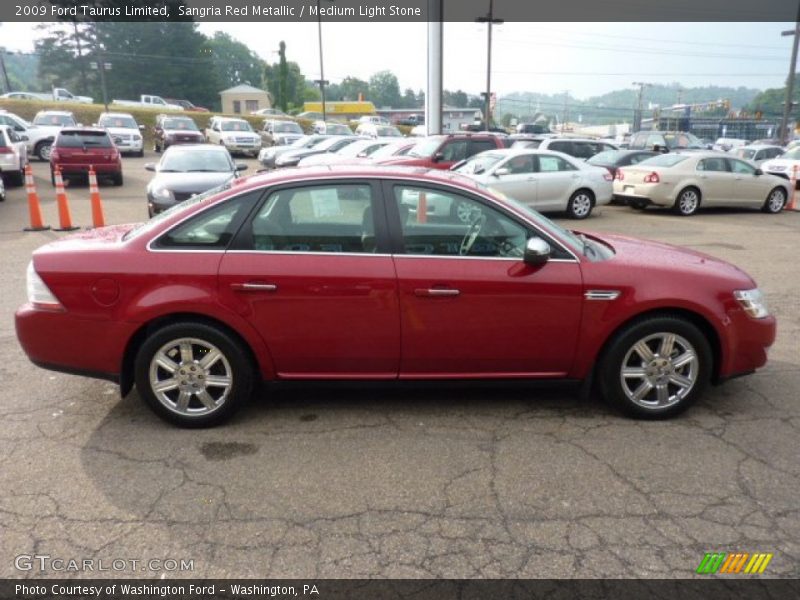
(3, 67)
(102, 66)
(565, 118)
(637, 115)
(787, 108)
(321, 81)
(489, 20)
(680, 94)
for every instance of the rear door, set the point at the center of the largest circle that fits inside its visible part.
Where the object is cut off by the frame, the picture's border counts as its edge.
(716, 180)
(311, 271)
(556, 179)
(469, 306)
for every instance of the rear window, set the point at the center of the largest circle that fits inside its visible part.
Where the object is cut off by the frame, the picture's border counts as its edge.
(665, 160)
(79, 139)
(609, 157)
(56, 120)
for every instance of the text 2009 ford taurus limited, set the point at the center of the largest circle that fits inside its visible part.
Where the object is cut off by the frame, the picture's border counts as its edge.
(335, 274)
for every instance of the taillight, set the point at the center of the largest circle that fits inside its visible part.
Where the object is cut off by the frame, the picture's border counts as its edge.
(39, 295)
(608, 176)
(6, 150)
(652, 178)
(620, 175)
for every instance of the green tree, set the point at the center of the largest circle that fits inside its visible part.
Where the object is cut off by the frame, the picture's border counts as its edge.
(64, 52)
(457, 99)
(384, 89)
(234, 63)
(351, 87)
(294, 86)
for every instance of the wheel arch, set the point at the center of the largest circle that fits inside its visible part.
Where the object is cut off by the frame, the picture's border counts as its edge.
(685, 185)
(126, 377)
(698, 320)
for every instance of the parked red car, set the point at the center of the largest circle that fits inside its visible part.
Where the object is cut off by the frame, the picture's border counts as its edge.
(329, 274)
(76, 149)
(444, 151)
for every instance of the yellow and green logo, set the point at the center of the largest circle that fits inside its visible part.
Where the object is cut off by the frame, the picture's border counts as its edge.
(734, 563)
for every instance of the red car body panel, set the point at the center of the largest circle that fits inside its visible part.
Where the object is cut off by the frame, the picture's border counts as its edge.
(72, 160)
(369, 316)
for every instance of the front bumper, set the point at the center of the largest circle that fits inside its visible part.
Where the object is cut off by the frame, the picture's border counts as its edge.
(240, 147)
(747, 341)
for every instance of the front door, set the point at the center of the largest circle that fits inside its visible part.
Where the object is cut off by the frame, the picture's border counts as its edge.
(307, 270)
(469, 306)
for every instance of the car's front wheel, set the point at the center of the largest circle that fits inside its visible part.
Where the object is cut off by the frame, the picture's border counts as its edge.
(656, 367)
(775, 201)
(580, 204)
(43, 150)
(193, 374)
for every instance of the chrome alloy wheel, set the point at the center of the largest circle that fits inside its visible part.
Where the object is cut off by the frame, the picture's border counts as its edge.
(581, 205)
(659, 370)
(688, 202)
(190, 377)
(776, 200)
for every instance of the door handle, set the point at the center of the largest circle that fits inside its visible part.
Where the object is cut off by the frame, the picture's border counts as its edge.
(436, 292)
(254, 287)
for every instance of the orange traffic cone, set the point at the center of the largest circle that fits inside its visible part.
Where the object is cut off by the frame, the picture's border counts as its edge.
(98, 218)
(34, 208)
(792, 205)
(64, 216)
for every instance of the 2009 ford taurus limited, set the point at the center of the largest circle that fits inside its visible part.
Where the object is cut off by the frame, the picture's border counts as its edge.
(341, 273)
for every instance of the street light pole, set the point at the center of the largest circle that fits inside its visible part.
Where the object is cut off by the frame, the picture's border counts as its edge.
(321, 81)
(637, 118)
(489, 20)
(787, 109)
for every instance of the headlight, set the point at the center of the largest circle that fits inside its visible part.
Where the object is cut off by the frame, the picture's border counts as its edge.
(752, 302)
(137, 138)
(161, 193)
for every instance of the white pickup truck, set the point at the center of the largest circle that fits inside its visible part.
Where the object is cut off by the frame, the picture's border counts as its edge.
(57, 95)
(149, 101)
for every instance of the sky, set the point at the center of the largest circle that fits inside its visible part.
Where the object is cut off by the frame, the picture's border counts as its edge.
(586, 59)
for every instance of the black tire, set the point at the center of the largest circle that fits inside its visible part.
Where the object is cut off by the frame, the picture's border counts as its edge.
(233, 363)
(42, 150)
(688, 202)
(52, 178)
(580, 204)
(139, 154)
(776, 200)
(117, 179)
(657, 372)
(17, 178)
(156, 148)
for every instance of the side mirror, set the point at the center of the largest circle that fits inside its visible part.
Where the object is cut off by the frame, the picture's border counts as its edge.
(241, 167)
(501, 171)
(759, 172)
(437, 157)
(150, 166)
(537, 252)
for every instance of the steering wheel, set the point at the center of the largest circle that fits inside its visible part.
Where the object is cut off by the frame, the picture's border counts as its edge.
(471, 235)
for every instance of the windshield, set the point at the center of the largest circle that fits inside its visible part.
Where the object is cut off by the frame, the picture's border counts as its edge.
(55, 120)
(682, 140)
(235, 126)
(664, 160)
(480, 163)
(337, 129)
(425, 148)
(356, 148)
(793, 154)
(186, 161)
(748, 153)
(609, 157)
(80, 139)
(143, 228)
(184, 124)
(332, 143)
(388, 131)
(121, 122)
(287, 127)
(388, 150)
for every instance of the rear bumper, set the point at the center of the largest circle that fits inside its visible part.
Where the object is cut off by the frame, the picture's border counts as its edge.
(57, 341)
(72, 168)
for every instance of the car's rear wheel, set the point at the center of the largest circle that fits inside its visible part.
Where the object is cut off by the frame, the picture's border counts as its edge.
(687, 202)
(43, 150)
(193, 374)
(580, 204)
(775, 201)
(656, 367)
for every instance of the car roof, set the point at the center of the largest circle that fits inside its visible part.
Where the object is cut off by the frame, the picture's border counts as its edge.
(65, 113)
(116, 114)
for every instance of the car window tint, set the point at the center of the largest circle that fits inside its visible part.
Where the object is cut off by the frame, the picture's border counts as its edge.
(80, 139)
(565, 147)
(738, 166)
(480, 146)
(712, 164)
(655, 140)
(520, 164)
(637, 158)
(454, 150)
(211, 229)
(436, 223)
(323, 218)
(552, 164)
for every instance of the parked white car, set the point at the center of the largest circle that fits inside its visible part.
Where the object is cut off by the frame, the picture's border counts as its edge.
(13, 155)
(544, 180)
(235, 134)
(350, 154)
(332, 128)
(373, 130)
(784, 165)
(758, 153)
(724, 144)
(36, 136)
(50, 122)
(123, 129)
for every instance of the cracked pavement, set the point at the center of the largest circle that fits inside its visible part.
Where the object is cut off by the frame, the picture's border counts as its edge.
(473, 481)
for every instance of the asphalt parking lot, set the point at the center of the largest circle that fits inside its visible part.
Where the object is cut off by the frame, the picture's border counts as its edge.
(385, 482)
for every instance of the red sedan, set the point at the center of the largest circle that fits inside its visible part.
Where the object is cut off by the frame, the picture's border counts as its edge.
(333, 274)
